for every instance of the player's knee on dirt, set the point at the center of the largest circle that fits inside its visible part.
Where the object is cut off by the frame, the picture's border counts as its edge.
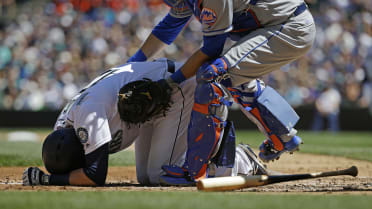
(208, 120)
(151, 176)
(62, 152)
(143, 178)
(154, 171)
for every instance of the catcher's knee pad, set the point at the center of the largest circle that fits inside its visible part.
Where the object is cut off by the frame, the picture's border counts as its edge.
(268, 110)
(62, 152)
(208, 119)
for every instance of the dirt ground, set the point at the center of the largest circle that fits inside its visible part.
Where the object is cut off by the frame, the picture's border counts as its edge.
(124, 178)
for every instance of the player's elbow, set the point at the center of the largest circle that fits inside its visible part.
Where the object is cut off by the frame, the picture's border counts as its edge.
(97, 180)
(100, 183)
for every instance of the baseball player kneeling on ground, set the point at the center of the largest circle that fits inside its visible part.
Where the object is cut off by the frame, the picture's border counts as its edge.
(268, 34)
(119, 107)
(90, 127)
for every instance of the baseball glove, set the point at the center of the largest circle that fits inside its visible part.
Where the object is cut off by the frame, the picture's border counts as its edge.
(141, 100)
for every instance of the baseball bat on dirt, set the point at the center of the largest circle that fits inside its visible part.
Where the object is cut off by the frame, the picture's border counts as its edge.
(240, 182)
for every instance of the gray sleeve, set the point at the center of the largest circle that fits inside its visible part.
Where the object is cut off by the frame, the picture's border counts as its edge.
(216, 17)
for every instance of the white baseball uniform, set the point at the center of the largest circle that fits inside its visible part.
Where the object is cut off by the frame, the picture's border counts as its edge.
(163, 140)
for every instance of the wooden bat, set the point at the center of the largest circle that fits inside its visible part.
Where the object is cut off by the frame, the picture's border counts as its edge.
(239, 182)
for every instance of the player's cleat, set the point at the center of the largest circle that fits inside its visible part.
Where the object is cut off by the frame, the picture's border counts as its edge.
(175, 176)
(174, 171)
(258, 167)
(268, 153)
(176, 181)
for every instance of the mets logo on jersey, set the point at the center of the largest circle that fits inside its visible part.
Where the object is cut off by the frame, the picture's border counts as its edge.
(208, 16)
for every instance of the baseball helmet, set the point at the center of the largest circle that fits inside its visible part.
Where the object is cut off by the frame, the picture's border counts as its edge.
(62, 152)
(139, 101)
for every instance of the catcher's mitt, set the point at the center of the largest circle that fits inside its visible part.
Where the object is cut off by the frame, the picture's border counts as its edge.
(141, 100)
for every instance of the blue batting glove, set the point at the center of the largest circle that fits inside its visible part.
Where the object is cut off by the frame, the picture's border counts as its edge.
(208, 73)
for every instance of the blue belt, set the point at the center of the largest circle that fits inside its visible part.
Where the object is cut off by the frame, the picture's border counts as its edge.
(300, 9)
(297, 12)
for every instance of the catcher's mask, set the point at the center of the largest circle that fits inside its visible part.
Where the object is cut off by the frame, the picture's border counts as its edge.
(62, 152)
(139, 101)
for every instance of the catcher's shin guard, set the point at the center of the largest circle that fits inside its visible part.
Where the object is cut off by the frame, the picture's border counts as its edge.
(274, 117)
(225, 156)
(208, 119)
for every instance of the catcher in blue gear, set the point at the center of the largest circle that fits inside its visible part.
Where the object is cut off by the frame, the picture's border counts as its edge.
(267, 35)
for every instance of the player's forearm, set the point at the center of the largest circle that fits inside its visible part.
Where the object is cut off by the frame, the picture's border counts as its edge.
(152, 45)
(192, 65)
(78, 177)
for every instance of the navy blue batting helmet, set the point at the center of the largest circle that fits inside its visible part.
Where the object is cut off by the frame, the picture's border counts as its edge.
(62, 152)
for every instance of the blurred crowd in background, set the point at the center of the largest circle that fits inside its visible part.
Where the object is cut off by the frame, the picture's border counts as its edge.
(51, 49)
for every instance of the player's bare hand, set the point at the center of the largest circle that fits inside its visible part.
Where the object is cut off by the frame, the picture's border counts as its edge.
(34, 176)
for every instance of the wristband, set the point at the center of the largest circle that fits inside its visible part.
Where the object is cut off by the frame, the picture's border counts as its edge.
(139, 56)
(44, 180)
(59, 180)
(178, 77)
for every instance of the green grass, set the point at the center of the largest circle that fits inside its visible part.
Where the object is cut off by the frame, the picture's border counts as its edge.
(179, 200)
(20, 153)
(123, 158)
(355, 145)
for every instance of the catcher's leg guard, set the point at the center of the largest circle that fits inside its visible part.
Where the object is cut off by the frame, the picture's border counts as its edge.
(208, 119)
(225, 156)
(271, 113)
(205, 133)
